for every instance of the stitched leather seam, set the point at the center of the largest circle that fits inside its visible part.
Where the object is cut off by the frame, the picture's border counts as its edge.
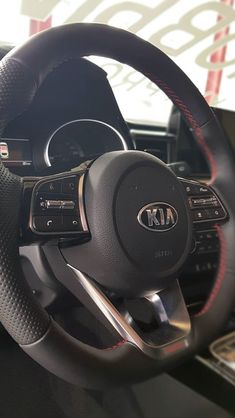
(193, 123)
(119, 344)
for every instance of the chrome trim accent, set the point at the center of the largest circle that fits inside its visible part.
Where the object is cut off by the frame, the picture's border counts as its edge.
(152, 229)
(15, 139)
(120, 137)
(81, 203)
(158, 308)
(173, 318)
(223, 350)
(154, 133)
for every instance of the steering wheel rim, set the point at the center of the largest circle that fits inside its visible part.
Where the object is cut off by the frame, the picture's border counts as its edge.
(21, 73)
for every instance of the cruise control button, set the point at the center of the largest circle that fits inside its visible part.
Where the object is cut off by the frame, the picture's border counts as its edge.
(51, 186)
(71, 223)
(203, 201)
(47, 223)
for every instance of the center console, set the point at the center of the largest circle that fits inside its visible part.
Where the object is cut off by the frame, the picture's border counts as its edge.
(212, 372)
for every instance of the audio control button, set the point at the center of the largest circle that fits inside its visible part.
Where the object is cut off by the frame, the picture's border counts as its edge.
(53, 204)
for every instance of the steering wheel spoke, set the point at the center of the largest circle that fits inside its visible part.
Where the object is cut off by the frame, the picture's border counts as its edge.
(205, 205)
(169, 321)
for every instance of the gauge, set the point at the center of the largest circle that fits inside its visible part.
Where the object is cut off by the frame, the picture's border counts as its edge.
(81, 140)
(65, 152)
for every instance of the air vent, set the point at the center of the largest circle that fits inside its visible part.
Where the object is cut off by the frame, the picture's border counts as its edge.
(154, 142)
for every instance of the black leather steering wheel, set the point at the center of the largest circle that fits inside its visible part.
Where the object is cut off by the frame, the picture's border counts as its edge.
(135, 214)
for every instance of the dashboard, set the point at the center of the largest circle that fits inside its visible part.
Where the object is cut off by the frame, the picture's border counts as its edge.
(73, 122)
(67, 123)
(16, 152)
(78, 120)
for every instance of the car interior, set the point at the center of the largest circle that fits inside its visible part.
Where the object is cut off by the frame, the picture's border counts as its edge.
(117, 210)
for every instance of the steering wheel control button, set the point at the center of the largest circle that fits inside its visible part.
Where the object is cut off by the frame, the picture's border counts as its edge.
(201, 190)
(208, 215)
(216, 213)
(206, 241)
(190, 189)
(199, 215)
(44, 204)
(193, 188)
(204, 201)
(67, 204)
(53, 204)
(54, 186)
(204, 204)
(56, 206)
(69, 184)
(71, 223)
(47, 223)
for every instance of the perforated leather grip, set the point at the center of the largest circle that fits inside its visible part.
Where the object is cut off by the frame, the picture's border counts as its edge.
(20, 314)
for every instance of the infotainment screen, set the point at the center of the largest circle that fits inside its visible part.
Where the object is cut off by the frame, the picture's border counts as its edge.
(15, 152)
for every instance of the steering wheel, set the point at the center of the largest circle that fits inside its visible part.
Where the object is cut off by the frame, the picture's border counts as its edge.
(133, 223)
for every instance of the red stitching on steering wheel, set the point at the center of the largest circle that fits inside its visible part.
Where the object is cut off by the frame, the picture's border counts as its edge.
(201, 140)
(193, 123)
(119, 344)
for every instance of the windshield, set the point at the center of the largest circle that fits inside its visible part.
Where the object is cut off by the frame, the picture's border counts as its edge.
(199, 36)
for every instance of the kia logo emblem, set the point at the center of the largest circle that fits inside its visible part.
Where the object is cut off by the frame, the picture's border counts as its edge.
(158, 217)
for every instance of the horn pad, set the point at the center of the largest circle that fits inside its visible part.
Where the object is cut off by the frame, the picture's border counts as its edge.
(140, 224)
